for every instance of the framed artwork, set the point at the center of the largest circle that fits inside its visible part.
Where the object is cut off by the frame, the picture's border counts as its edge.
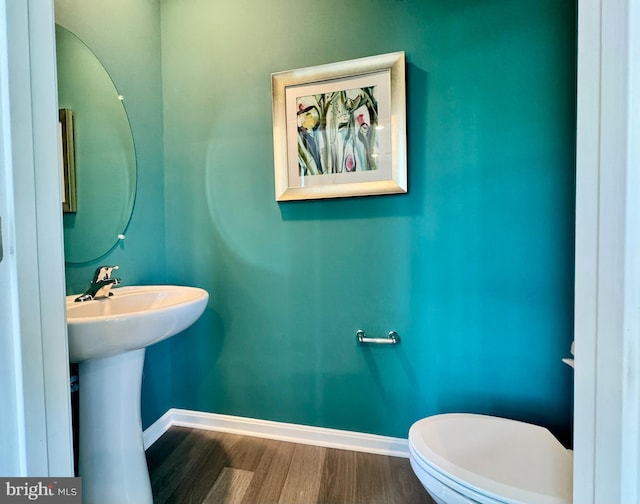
(67, 160)
(340, 129)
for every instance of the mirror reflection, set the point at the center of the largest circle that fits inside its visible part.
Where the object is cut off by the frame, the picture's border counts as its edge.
(105, 162)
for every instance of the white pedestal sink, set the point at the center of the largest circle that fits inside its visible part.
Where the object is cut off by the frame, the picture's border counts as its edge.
(108, 337)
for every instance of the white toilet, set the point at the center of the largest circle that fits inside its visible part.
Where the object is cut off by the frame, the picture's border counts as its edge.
(465, 458)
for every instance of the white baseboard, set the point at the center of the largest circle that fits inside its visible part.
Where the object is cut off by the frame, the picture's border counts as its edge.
(303, 434)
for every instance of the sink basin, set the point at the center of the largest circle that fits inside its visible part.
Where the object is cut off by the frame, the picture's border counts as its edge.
(134, 317)
(108, 338)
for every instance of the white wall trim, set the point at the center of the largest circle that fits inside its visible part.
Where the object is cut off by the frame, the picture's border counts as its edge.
(303, 434)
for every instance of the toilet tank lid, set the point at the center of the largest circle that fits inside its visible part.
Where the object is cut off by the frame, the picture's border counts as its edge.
(499, 457)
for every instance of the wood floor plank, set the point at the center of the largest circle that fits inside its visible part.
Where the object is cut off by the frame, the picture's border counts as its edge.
(406, 485)
(373, 479)
(195, 466)
(246, 453)
(305, 474)
(338, 484)
(230, 487)
(157, 453)
(167, 475)
(271, 473)
(195, 475)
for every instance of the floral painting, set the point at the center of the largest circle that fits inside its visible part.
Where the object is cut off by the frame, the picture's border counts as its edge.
(337, 131)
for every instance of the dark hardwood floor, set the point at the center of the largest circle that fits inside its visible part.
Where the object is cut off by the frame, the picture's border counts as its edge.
(203, 467)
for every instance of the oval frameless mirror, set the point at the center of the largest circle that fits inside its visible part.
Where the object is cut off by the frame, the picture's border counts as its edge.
(105, 160)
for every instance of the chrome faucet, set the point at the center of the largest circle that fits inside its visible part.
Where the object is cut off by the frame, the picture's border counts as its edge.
(101, 284)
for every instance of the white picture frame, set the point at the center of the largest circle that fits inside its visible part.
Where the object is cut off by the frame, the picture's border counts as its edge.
(339, 129)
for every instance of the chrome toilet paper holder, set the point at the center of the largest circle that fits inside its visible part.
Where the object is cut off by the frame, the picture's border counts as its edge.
(391, 339)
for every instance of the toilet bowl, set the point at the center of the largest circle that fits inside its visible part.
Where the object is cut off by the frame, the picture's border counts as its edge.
(465, 458)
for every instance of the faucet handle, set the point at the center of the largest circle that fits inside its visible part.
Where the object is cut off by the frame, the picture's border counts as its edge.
(103, 273)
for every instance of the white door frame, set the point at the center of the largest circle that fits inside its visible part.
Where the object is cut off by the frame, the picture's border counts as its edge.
(607, 321)
(36, 379)
(12, 445)
(607, 287)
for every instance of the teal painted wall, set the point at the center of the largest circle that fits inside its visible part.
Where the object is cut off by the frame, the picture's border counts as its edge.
(125, 36)
(473, 267)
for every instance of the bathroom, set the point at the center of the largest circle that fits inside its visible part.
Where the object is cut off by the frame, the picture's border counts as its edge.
(473, 267)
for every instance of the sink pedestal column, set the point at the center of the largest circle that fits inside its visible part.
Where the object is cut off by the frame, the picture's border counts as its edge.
(112, 461)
